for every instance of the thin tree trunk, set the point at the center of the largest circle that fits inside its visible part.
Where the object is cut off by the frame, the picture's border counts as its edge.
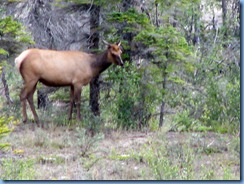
(174, 23)
(94, 44)
(6, 90)
(128, 36)
(157, 22)
(196, 38)
(161, 118)
(237, 33)
(162, 108)
(224, 16)
(94, 96)
(42, 99)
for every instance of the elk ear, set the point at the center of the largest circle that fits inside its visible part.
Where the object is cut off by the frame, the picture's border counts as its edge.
(105, 42)
(118, 43)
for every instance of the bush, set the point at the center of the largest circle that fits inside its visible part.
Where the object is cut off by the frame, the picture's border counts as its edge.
(4, 130)
(13, 169)
(122, 99)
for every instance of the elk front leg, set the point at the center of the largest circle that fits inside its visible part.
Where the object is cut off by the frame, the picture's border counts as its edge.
(71, 103)
(77, 96)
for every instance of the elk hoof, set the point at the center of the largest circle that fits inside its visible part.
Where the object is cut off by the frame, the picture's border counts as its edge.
(42, 126)
(79, 118)
(33, 127)
(38, 124)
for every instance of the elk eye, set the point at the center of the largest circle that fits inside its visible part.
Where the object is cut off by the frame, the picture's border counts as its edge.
(114, 55)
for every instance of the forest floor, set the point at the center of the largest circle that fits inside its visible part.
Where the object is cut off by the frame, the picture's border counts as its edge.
(67, 153)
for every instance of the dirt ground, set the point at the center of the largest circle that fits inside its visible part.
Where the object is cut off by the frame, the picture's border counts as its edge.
(62, 153)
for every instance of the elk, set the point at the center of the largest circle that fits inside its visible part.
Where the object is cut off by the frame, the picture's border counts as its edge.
(62, 68)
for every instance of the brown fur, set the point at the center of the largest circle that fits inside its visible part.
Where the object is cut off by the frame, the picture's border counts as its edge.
(62, 68)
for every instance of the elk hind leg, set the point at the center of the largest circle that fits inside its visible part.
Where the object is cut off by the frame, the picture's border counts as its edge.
(23, 97)
(26, 93)
(32, 107)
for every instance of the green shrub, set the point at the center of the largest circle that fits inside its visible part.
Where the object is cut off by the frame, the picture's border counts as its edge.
(184, 122)
(15, 169)
(170, 163)
(124, 105)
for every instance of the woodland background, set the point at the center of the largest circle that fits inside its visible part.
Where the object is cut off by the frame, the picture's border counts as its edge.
(181, 82)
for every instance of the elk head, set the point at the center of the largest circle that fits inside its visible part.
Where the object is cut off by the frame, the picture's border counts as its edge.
(114, 53)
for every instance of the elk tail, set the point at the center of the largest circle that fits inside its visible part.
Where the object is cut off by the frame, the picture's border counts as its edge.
(18, 61)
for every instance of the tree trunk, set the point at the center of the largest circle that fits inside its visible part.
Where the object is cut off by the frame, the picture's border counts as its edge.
(42, 99)
(94, 45)
(237, 31)
(196, 38)
(161, 118)
(94, 96)
(162, 109)
(157, 22)
(128, 36)
(6, 90)
(224, 17)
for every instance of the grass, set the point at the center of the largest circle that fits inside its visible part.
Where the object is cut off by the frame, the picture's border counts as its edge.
(69, 153)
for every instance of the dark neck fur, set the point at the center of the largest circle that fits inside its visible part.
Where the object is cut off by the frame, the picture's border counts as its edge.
(100, 62)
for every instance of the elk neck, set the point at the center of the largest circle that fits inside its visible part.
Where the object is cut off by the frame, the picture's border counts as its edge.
(100, 63)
